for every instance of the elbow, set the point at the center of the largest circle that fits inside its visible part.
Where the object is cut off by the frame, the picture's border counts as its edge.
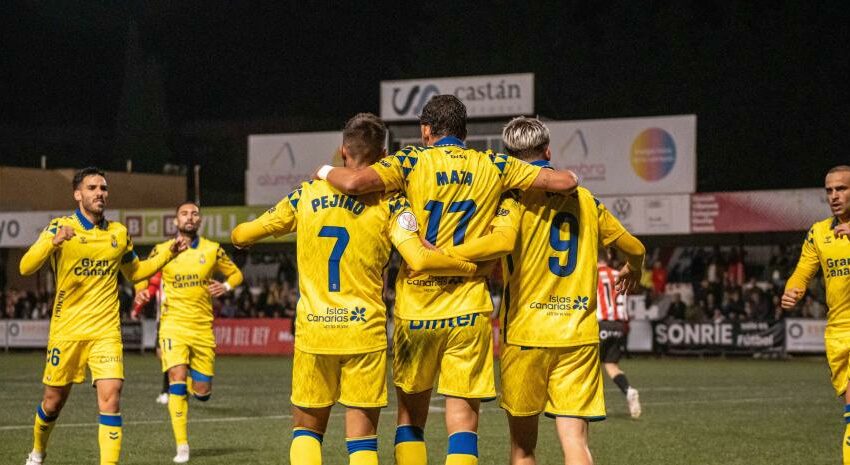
(25, 270)
(417, 266)
(352, 186)
(236, 237)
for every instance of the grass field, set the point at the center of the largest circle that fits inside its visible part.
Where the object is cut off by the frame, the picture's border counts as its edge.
(709, 411)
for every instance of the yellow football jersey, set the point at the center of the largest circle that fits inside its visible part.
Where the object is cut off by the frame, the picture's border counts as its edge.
(550, 276)
(344, 243)
(186, 302)
(456, 191)
(822, 249)
(86, 267)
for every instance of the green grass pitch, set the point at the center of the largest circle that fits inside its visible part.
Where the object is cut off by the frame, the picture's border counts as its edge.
(696, 411)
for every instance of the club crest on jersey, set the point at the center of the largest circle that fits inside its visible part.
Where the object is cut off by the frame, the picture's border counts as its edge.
(114, 242)
(407, 221)
(83, 240)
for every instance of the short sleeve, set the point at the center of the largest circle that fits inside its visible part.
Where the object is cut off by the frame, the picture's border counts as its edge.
(394, 169)
(610, 227)
(514, 173)
(403, 225)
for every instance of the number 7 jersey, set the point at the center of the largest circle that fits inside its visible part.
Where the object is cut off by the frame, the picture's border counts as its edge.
(344, 243)
(551, 275)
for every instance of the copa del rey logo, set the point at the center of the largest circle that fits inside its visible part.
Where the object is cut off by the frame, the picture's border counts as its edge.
(484, 96)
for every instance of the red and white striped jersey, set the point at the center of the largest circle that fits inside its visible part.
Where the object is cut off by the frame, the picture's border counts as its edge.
(610, 305)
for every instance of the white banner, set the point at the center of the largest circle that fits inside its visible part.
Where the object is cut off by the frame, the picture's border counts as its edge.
(653, 155)
(652, 214)
(21, 229)
(640, 336)
(804, 335)
(484, 96)
(27, 333)
(279, 162)
(3, 326)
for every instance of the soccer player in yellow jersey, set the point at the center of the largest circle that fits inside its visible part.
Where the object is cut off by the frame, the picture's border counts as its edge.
(344, 243)
(186, 334)
(550, 361)
(441, 324)
(827, 246)
(86, 252)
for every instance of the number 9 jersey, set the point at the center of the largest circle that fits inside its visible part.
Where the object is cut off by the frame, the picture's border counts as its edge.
(551, 274)
(344, 243)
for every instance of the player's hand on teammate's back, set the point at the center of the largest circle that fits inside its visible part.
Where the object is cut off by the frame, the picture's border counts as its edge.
(628, 279)
(428, 245)
(791, 297)
(216, 288)
(842, 230)
(63, 234)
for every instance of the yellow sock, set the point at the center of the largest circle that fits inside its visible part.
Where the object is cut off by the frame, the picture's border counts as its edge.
(178, 409)
(41, 430)
(410, 446)
(362, 451)
(463, 449)
(109, 437)
(306, 447)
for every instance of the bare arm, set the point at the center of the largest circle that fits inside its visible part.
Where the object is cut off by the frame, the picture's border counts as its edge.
(562, 181)
(356, 181)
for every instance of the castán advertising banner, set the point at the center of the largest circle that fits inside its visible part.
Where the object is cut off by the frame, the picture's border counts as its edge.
(652, 155)
(279, 162)
(484, 96)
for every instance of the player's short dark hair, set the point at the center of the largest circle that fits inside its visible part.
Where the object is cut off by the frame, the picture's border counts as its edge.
(446, 115)
(363, 136)
(187, 202)
(87, 171)
(839, 168)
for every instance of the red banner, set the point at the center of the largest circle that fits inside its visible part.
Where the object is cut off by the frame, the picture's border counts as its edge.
(266, 336)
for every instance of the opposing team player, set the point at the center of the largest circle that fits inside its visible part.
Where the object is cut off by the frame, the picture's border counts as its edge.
(827, 247)
(613, 318)
(344, 243)
(550, 360)
(441, 324)
(86, 252)
(186, 338)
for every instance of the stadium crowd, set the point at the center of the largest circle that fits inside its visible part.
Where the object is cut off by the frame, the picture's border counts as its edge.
(696, 284)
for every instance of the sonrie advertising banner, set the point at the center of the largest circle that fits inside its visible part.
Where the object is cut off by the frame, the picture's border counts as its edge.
(484, 96)
(651, 214)
(263, 336)
(277, 163)
(682, 337)
(151, 226)
(758, 211)
(652, 155)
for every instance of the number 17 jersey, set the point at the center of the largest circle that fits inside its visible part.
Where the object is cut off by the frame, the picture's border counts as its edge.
(456, 191)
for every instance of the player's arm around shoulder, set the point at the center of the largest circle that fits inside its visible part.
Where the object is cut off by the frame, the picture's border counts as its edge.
(404, 234)
(276, 221)
(51, 239)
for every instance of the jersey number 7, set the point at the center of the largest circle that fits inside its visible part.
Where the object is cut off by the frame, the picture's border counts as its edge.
(342, 237)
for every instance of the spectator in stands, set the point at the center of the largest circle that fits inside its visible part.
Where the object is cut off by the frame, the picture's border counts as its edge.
(733, 306)
(677, 308)
(659, 278)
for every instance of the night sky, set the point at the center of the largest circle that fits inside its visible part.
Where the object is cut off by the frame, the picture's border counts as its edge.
(767, 81)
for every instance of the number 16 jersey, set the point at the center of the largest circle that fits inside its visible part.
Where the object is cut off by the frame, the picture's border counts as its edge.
(551, 275)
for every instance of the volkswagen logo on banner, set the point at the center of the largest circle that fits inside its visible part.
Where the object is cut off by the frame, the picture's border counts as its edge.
(622, 208)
